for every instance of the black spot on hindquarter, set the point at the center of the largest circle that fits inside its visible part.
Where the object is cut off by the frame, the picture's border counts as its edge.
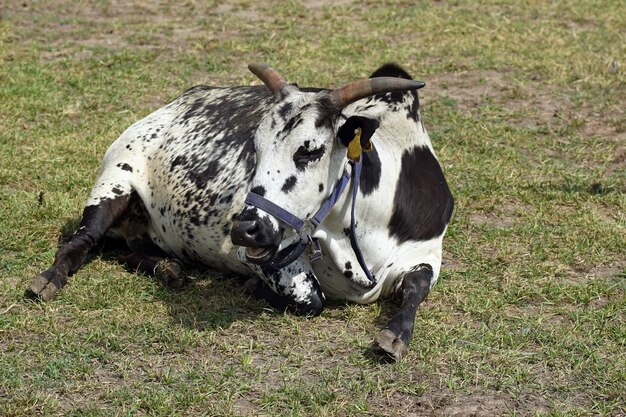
(289, 184)
(422, 204)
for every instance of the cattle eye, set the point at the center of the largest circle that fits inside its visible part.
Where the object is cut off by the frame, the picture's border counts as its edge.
(304, 156)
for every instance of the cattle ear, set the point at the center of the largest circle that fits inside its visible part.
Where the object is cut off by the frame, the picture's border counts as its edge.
(359, 129)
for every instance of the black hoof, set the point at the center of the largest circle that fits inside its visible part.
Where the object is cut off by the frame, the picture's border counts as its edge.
(391, 344)
(170, 273)
(48, 284)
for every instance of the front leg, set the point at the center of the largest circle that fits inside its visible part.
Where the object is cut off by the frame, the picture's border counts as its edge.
(294, 288)
(395, 337)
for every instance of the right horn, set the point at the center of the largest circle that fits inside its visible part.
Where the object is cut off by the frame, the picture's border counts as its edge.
(357, 90)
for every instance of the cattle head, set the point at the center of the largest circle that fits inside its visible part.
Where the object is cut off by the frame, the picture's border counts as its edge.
(302, 145)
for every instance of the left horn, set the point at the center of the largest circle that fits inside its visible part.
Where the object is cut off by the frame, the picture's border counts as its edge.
(270, 77)
(357, 90)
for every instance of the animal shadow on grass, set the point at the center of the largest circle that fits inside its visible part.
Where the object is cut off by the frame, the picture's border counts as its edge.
(208, 300)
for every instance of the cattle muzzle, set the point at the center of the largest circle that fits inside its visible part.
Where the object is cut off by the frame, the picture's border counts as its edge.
(258, 237)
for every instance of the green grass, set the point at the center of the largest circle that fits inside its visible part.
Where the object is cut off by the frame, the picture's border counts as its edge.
(525, 105)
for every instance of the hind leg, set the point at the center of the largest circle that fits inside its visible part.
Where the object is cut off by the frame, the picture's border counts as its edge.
(150, 259)
(93, 225)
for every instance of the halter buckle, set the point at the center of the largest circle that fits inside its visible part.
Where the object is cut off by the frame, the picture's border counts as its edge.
(316, 248)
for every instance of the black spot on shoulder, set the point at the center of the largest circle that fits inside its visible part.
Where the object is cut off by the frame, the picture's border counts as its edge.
(422, 204)
(117, 191)
(348, 265)
(321, 187)
(259, 189)
(289, 184)
(347, 274)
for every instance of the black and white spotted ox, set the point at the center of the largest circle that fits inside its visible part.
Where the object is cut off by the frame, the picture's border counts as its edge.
(314, 193)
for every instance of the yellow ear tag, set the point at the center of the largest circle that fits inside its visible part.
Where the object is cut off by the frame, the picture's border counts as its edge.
(354, 147)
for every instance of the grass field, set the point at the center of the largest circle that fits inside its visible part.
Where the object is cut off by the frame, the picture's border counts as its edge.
(525, 102)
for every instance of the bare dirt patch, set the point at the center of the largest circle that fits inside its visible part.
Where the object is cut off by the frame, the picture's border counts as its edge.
(470, 88)
(526, 107)
(316, 4)
(75, 28)
(504, 216)
(478, 405)
(445, 404)
(587, 272)
(450, 263)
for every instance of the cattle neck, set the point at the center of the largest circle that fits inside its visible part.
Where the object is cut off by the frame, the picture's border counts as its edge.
(305, 229)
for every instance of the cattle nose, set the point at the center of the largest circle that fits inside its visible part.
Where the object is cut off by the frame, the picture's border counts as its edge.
(258, 236)
(246, 233)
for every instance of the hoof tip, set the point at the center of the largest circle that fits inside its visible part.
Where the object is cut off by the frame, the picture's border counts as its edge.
(391, 344)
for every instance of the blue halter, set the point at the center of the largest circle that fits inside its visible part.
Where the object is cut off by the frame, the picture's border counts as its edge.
(293, 251)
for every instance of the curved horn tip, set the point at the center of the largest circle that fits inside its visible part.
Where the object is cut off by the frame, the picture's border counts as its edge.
(270, 77)
(357, 90)
(256, 67)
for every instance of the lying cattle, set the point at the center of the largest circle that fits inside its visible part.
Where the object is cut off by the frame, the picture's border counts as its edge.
(314, 193)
